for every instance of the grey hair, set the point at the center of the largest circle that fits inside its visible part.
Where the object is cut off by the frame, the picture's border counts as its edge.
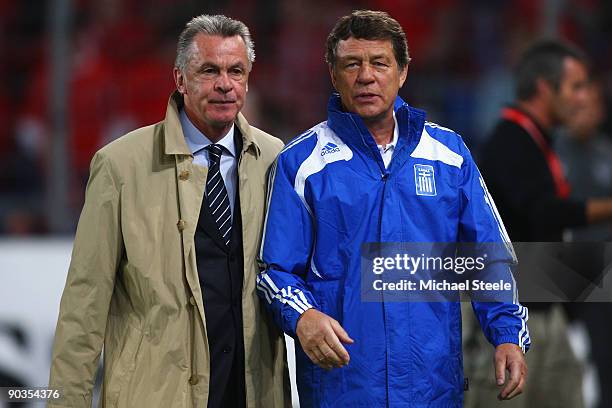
(212, 25)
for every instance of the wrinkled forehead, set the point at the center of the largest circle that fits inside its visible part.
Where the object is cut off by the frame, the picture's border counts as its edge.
(359, 47)
(216, 49)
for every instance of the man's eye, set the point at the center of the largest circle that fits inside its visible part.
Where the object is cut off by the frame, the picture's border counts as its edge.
(351, 65)
(208, 71)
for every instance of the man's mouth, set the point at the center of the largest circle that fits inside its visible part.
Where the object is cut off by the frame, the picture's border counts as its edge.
(365, 96)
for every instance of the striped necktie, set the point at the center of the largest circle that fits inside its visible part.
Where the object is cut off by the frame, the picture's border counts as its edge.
(216, 193)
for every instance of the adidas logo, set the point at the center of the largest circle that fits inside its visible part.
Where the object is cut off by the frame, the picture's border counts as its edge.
(329, 148)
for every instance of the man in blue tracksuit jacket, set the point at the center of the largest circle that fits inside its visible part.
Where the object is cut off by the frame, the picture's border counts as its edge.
(376, 171)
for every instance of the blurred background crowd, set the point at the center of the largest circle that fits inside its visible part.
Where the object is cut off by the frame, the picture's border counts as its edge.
(77, 74)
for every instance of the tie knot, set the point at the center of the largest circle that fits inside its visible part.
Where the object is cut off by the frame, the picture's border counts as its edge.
(214, 153)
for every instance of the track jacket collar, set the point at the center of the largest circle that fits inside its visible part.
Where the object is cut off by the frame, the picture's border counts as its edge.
(353, 131)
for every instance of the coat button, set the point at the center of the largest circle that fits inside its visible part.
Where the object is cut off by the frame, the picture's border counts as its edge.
(192, 301)
(227, 349)
(193, 380)
(184, 175)
(181, 225)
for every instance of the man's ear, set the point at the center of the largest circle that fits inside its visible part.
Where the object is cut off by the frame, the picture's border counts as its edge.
(403, 76)
(179, 80)
(332, 75)
(544, 88)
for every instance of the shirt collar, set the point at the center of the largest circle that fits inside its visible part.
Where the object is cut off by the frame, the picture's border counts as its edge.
(197, 140)
(395, 131)
(393, 142)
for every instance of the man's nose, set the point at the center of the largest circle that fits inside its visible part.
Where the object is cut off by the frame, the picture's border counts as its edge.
(366, 74)
(223, 83)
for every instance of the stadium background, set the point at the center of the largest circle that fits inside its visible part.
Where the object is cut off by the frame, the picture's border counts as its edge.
(76, 74)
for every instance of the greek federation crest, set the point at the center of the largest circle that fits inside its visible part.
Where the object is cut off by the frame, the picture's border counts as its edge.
(424, 180)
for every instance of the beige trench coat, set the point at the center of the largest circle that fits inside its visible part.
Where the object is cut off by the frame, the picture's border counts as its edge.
(133, 285)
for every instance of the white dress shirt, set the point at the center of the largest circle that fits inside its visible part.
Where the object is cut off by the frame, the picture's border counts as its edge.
(197, 141)
(387, 151)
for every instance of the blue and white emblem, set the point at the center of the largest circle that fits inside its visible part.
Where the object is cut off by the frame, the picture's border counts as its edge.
(424, 180)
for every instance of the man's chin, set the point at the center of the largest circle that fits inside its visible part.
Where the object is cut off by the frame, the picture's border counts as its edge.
(223, 120)
(371, 115)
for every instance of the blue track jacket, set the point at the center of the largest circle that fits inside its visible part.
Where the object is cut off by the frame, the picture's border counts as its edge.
(329, 193)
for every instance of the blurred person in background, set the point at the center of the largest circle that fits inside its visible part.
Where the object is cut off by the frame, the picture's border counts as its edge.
(352, 180)
(533, 196)
(586, 154)
(163, 268)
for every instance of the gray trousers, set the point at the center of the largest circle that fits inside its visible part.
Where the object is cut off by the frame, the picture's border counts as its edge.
(554, 377)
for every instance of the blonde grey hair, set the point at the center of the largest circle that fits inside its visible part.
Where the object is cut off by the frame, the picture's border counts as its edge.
(212, 25)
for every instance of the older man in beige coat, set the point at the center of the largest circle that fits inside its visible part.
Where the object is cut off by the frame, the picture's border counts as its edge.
(134, 288)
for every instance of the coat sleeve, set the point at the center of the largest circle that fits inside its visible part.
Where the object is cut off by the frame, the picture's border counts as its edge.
(286, 250)
(81, 325)
(505, 320)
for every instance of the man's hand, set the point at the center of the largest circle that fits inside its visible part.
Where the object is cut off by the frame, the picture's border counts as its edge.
(510, 357)
(321, 337)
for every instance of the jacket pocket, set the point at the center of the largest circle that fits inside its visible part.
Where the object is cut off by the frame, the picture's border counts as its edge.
(329, 296)
(123, 364)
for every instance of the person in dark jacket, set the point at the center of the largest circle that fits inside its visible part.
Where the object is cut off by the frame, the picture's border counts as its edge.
(526, 178)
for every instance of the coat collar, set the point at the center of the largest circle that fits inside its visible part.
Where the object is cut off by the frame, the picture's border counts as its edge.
(174, 140)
